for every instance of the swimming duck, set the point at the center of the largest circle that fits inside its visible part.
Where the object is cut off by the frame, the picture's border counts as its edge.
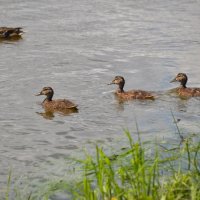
(6, 32)
(132, 94)
(183, 91)
(55, 105)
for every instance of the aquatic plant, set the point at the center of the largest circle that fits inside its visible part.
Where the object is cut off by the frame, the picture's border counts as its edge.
(140, 171)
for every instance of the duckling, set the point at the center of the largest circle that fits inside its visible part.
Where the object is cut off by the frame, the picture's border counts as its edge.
(6, 32)
(55, 105)
(183, 91)
(132, 94)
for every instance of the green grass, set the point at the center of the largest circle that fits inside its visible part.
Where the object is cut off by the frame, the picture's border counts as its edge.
(135, 174)
(138, 172)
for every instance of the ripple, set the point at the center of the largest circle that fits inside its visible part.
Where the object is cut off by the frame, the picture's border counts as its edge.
(70, 137)
(62, 133)
(59, 122)
(78, 56)
(58, 155)
(70, 147)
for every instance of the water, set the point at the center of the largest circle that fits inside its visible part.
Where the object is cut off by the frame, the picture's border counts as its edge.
(77, 47)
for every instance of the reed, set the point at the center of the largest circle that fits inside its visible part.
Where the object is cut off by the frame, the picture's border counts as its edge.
(134, 174)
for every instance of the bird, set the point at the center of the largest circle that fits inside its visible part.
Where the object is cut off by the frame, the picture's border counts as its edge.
(183, 90)
(62, 105)
(131, 94)
(8, 32)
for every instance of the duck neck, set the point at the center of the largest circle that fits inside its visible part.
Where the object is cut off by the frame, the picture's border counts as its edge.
(183, 86)
(121, 87)
(49, 97)
(183, 83)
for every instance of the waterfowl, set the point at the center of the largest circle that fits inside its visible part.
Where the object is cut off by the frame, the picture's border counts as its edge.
(6, 32)
(62, 105)
(184, 91)
(132, 94)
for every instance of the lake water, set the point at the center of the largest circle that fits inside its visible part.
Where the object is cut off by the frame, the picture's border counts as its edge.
(77, 47)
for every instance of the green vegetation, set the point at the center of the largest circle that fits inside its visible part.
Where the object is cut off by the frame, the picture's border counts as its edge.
(139, 172)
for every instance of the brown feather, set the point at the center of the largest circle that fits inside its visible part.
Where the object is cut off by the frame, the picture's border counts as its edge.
(59, 104)
(188, 92)
(132, 94)
(55, 105)
(135, 94)
(184, 91)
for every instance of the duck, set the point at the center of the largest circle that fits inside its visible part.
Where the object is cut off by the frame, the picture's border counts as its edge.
(183, 90)
(131, 94)
(49, 104)
(8, 32)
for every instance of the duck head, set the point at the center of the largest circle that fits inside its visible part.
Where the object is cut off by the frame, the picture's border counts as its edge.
(48, 92)
(182, 78)
(119, 80)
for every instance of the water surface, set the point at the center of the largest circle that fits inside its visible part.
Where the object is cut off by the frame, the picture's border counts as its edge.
(77, 47)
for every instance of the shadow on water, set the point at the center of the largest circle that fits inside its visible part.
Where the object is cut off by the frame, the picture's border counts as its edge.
(121, 103)
(11, 39)
(50, 114)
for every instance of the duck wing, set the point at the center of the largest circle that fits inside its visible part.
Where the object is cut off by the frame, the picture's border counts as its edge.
(196, 92)
(136, 94)
(63, 104)
(69, 104)
(189, 92)
(141, 94)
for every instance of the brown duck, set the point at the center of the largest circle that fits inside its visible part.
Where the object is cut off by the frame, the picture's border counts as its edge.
(184, 91)
(6, 32)
(55, 105)
(132, 94)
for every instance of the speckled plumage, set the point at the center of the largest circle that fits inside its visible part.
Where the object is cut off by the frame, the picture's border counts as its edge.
(131, 94)
(55, 105)
(182, 90)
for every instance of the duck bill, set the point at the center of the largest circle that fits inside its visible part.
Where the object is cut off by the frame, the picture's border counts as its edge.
(173, 80)
(113, 82)
(38, 94)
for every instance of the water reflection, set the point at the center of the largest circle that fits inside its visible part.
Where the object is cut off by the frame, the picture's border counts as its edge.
(119, 104)
(182, 105)
(50, 114)
(181, 102)
(77, 47)
(11, 39)
(46, 115)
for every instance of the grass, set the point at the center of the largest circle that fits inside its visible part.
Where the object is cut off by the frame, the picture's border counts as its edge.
(135, 175)
(138, 172)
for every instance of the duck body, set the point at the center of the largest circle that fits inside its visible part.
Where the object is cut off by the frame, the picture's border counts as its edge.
(58, 104)
(183, 90)
(131, 94)
(134, 94)
(188, 92)
(55, 105)
(6, 32)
